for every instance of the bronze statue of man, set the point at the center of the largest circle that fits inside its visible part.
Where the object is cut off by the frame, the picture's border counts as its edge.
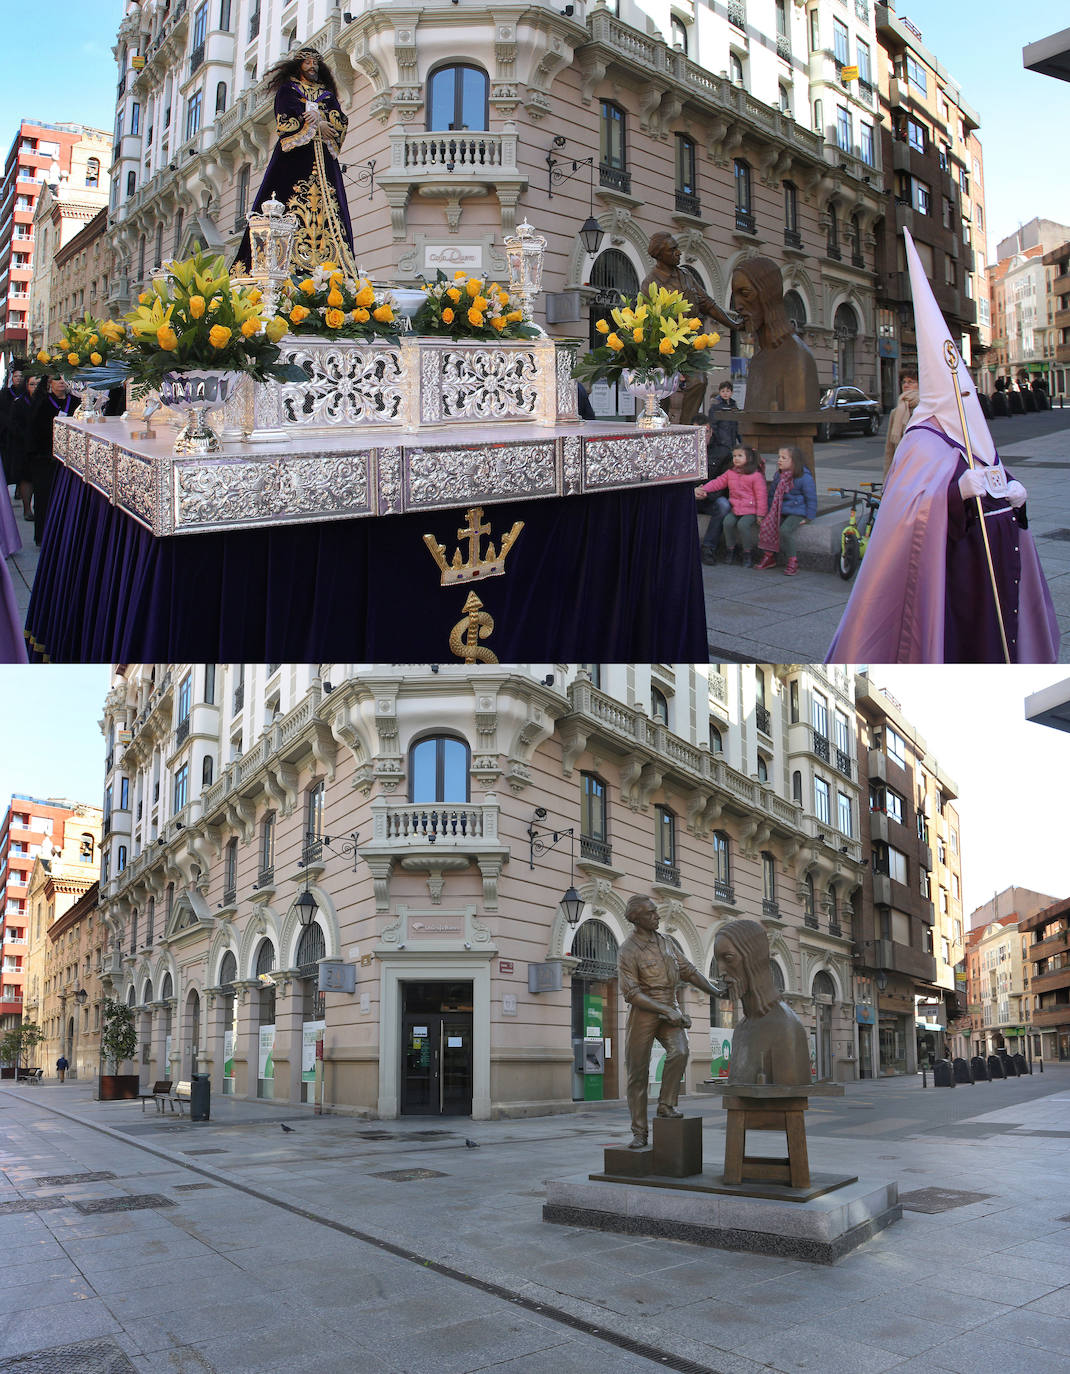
(769, 1045)
(782, 375)
(650, 967)
(684, 404)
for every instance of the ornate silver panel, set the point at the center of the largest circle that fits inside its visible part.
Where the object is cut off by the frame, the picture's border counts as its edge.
(349, 384)
(267, 491)
(480, 383)
(136, 487)
(388, 468)
(100, 465)
(454, 476)
(77, 440)
(567, 396)
(572, 464)
(61, 437)
(625, 461)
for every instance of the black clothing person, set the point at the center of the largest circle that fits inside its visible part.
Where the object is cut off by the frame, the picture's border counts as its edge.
(52, 399)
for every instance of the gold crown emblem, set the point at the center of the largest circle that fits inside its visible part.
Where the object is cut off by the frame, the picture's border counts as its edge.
(476, 566)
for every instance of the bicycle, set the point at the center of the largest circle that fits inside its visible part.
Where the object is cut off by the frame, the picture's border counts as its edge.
(854, 538)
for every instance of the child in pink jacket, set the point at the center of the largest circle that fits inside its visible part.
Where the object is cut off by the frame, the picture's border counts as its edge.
(749, 498)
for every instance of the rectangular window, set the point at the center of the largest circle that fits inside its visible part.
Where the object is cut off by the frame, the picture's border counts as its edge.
(893, 805)
(955, 886)
(193, 113)
(665, 838)
(820, 714)
(314, 813)
(685, 165)
(916, 74)
(593, 808)
(923, 196)
(209, 684)
(721, 857)
(815, 30)
(791, 224)
(916, 134)
(822, 799)
(843, 127)
(181, 788)
(267, 844)
(200, 24)
(897, 865)
(843, 813)
(865, 138)
(768, 877)
(896, 746)
(863, 63)
(840, 42)
(185, 690)
(124, 794)
(612, 149)
(135, 118)
(843, 733)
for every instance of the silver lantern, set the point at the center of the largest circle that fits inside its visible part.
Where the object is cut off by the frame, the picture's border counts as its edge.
(525, 250)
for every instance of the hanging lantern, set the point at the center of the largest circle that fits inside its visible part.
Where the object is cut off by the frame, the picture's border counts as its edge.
(525, 250)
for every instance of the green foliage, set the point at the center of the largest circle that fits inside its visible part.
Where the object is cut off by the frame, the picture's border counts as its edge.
(18, 1043)
(118, 1038)
(658, 331)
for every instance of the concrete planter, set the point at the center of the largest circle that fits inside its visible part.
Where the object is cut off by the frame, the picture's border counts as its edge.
(118, 1087)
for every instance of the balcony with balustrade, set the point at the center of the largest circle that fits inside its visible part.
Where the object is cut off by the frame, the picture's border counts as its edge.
(453, 166)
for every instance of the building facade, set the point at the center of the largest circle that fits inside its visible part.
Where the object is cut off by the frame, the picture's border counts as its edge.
(559, 109)
(419, 812)
(63, 212)
(903, 931)
(36, 830)
(931, 148)
(71, 989)
(40, 153)
(1048, 953)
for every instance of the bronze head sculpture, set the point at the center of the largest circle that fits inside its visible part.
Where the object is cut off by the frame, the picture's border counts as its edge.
(769, 1045)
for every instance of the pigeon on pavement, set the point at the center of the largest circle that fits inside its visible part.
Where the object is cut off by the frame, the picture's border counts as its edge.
(471, 1144)
(288, 1129)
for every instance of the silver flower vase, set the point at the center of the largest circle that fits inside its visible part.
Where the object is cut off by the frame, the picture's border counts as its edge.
(194, 394)
(650, 385)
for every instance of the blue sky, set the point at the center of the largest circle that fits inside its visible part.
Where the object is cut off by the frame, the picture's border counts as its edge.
(50, 742)
(72, 76)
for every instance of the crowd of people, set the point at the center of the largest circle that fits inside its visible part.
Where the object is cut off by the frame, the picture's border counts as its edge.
(28, 409)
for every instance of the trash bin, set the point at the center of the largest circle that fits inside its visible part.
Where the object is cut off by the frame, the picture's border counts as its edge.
(200, 1097)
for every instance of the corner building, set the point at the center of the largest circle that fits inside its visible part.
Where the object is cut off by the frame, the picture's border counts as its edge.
(419, 808)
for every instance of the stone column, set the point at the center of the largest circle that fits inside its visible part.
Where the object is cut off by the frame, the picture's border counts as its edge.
(289, 1003)
(246, 1046)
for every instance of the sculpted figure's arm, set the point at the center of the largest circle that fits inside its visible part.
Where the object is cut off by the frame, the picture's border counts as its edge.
(633, 993)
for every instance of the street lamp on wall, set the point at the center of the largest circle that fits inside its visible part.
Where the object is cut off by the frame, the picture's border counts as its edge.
(571, 904)
(591, 232)
(307, 906)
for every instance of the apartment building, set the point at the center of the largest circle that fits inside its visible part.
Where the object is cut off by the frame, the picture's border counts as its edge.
(1057, 261)
(73, 956)
(36, 830)
(1046, 935)
(934, 176)
(435, 819)
(40, 153)
(906, 942)
(61, 214)
(463, 121)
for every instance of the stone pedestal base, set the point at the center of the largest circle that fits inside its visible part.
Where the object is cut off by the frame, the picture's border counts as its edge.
(820, 1230)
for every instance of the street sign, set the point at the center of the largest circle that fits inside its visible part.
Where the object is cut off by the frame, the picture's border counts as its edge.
(848, 73)
(335, 976)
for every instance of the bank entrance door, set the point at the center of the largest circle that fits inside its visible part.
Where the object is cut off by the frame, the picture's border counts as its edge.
(436, 1049)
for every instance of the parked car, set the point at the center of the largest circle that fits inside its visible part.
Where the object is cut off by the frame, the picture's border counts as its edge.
(847, 407)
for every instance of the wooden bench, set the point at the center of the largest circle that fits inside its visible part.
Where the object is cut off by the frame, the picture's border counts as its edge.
(180, 1093)
(158, 1094)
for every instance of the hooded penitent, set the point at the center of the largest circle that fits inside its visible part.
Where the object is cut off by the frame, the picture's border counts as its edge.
(924, 592)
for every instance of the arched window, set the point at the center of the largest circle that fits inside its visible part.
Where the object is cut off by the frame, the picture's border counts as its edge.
(310, 949)
(613, 148)
(613, 277)
(659, 705)
(595, 947)
(131, 183)
(457, 97)
(722, 867)
(120, 858)
(438, 770)
(819, 118)
(220, 97)
(823, 985)
(146, 993)
(722, 1009)
(167, 991)
(86, 846)
(778, 976)
(207, 770)
(845, 328)
(796, 787)
(92, 171)
(131, 997)
(716, 742)
(795, 308)
(735, 68)
(785, 99)
(678, 33)
(763, 769)
(228, 969)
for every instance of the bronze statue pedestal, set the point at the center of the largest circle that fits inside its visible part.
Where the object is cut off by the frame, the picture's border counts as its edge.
(768, 1107)
(770, 430)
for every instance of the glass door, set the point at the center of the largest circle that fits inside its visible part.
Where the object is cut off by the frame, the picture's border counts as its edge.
(437, 1064)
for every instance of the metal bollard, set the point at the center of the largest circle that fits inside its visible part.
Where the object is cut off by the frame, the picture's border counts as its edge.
(924, 1079)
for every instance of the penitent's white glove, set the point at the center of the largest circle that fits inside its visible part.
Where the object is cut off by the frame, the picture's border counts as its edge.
(1016, 494)
(971, 483)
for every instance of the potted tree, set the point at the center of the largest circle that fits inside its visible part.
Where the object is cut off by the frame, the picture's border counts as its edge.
(118, 1041)
(20, 1042)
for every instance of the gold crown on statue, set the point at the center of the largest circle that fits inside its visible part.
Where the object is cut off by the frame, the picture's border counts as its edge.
(476, 566)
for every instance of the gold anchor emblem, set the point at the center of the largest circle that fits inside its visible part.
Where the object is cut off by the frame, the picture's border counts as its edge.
(466, 634)
(475, 565)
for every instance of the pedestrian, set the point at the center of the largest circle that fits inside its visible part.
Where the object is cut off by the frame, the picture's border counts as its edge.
(724, 429)
(749, 498)
(1000, 405)
(9, 393)
(901, 416)
(17, 431)
(61, 1067)
(716, 507)
(792, 503)
(51, 400)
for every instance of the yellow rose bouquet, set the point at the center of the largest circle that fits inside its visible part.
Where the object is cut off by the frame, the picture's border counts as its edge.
(657, 332)
(331, 304)
(194, 319)
(470, 308)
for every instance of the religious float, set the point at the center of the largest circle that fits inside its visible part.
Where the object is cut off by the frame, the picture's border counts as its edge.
(390, 493)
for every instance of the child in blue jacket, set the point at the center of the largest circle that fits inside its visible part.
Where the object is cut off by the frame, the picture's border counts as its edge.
(792, 501)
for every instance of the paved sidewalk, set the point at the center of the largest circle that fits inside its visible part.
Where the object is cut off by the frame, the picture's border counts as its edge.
(393, 1246)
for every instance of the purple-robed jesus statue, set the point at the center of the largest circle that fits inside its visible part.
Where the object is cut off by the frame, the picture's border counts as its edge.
(303, 171)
